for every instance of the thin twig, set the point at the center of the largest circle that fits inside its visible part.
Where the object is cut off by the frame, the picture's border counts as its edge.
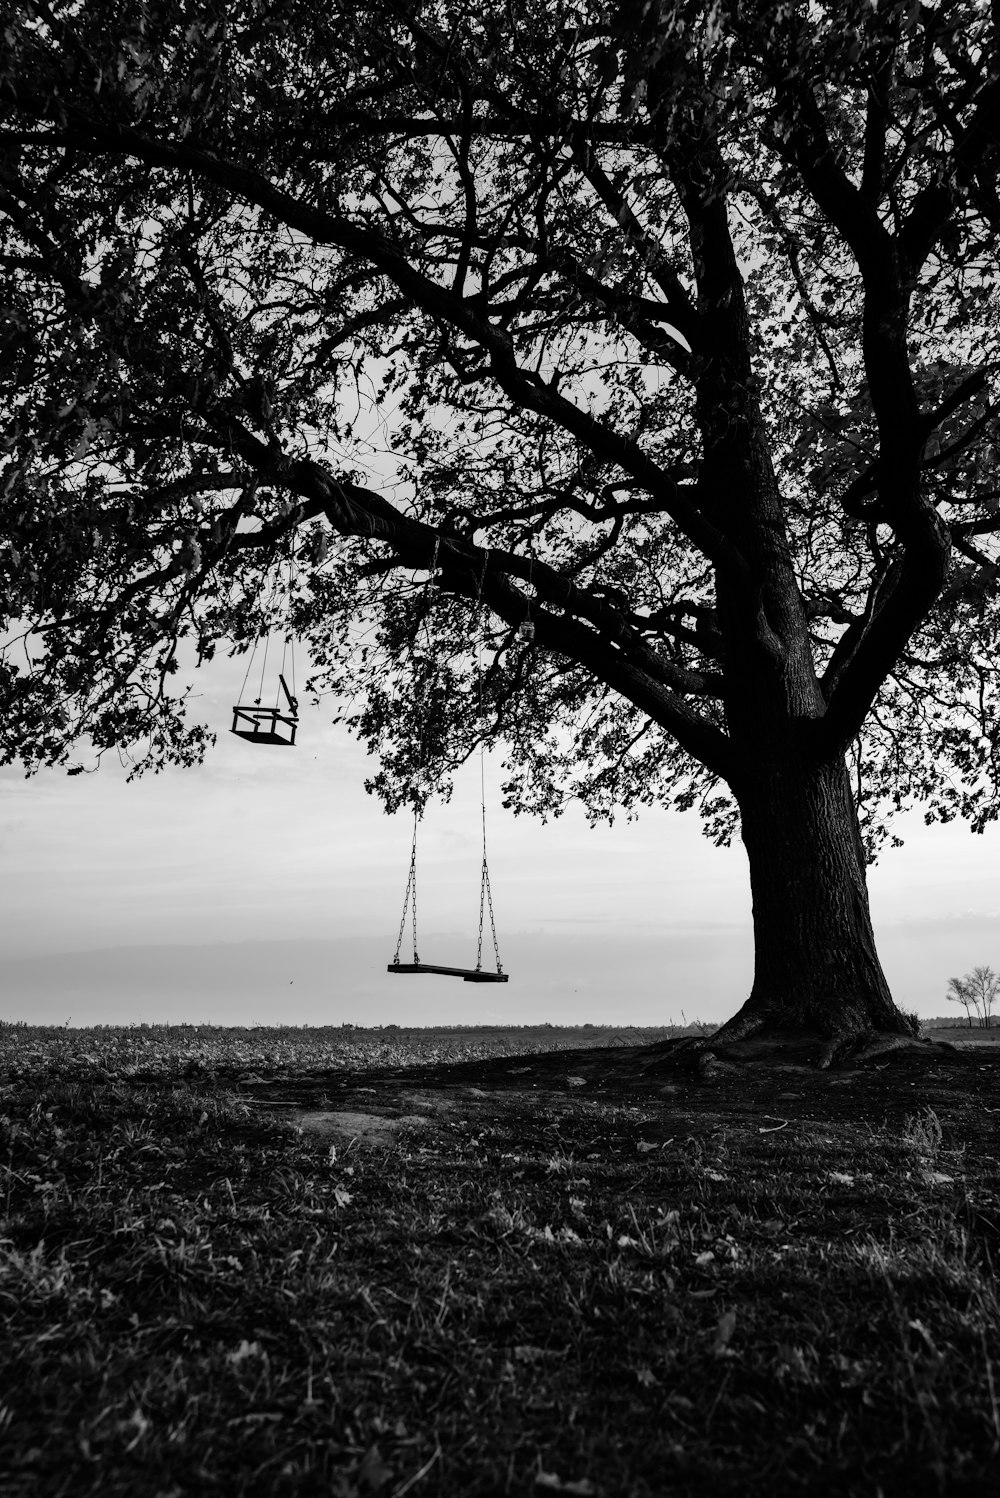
(411, 1481)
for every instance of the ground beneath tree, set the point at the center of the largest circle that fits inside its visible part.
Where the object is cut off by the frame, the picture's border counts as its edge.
(654, 1093)
(600, 1271)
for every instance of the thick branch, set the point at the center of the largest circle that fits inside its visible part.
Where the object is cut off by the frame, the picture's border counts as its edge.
(972, 162)
(478, 572)
(605, 645)
(524, 388)
(915, 581)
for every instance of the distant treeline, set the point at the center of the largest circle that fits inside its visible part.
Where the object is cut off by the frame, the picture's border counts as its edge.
(951, 1022)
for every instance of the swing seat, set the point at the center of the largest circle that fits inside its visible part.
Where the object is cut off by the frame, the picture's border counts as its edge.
(264, 720)
(260, 725)
(469, 974)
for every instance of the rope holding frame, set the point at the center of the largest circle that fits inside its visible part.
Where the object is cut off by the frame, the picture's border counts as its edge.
(288, 646)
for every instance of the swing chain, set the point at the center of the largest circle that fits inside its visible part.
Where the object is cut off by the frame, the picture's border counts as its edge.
(411, 895)
(421, 689)
(486, 896)
(485, 892)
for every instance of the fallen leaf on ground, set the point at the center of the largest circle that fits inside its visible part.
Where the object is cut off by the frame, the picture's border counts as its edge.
(243, 1352)
(527, 1353)
(373, 1474)
(555, 1484)
(724, 1331)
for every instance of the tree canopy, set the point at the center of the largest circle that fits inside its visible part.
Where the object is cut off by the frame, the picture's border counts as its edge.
(673, 327)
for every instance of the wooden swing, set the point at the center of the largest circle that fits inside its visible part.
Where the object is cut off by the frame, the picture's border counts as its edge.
(260, 725)
(477, 974)
(269, 725)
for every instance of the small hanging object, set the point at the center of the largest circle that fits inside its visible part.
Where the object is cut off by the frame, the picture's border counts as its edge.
(267, 725)
(526, 628)
(277, 724)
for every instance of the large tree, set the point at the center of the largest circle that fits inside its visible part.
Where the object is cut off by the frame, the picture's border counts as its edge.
(670, 327)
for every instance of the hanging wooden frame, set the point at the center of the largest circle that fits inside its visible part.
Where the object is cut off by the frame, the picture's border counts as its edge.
(267, 725)
(270, 725)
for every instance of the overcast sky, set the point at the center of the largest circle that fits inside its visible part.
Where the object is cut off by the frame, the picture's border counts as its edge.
(266, 887)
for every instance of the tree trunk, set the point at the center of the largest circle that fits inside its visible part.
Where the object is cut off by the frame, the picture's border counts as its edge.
(817, 971)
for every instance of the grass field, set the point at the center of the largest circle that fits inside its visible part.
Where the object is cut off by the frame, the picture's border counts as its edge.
(215, 1049)
(540, 1293)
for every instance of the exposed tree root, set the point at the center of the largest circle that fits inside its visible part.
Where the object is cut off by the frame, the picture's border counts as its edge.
(884, 1045)
(711, 1066)
(740, 1027)
(761, 1040)
(766, 1045)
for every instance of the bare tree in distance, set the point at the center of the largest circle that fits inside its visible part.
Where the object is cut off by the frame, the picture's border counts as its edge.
(959, 992)
(977, 992)
(671, 331)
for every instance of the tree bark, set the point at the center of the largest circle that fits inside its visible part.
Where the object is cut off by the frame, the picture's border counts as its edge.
(817, 971)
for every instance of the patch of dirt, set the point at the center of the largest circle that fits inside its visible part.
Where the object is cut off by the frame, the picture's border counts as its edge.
(669, 1083)
(350, 1127)
(347, 1127)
